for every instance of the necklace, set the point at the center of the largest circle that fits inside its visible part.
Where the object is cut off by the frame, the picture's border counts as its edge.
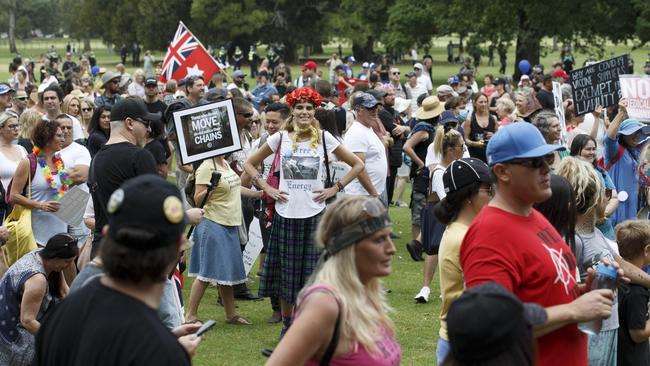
(57, 191)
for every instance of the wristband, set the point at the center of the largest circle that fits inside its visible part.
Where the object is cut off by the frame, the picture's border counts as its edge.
(339, 186)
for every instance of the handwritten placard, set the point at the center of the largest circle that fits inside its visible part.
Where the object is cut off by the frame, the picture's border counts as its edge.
(598, 84)
(637, 91)
(254, 245)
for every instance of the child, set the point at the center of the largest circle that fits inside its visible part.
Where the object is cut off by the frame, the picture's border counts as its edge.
(633, 238)
(505, 109)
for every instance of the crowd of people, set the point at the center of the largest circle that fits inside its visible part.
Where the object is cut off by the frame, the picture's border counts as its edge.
(513, 206)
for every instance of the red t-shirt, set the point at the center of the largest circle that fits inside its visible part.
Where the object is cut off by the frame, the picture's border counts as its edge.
(530, 258)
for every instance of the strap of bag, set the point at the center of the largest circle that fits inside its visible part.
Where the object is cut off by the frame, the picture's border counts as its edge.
(276, 160)
(331, 348)
(619, 155)
(328, 181)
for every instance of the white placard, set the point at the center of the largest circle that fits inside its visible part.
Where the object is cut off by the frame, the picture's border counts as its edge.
(73, 206)
(559, 110)
(637, 91)
(254, 245)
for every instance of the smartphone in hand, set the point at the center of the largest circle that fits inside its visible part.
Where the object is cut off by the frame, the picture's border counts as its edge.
(205, 327)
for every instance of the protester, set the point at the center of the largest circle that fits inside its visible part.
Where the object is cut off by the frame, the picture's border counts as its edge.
(415, 147)
(633, 237)
(342, 316)
(548, 124)
(300, 197)
(489, 326)
(30, 289)
(479, 128)
(140, 247)
(19, 102)
(625, 139)
(28, 120)
(71, 106)
(10, 153)
(467, 191)
(99, 129)
(218, 264)
(509, 241)
(136, 88)
(44, 188)
(111, 86)
(584, 146)
(121, 158)
(560, 210)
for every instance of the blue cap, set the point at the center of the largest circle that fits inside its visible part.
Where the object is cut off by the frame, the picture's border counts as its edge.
(447, 117)
(5, 88)
(364, 100)
(606, 270)
(518, 141)
(453, 80)
(630, 126)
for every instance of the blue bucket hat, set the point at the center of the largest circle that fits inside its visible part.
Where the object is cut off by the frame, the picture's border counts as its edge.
(364, 100)
(519, 140)
(630, 126)
(447, 117)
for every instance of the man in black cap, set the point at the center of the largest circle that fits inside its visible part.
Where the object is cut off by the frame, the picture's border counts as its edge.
(111, 85)
(151, 97)
(121, 158)
(545, 93)
(113, 319)
(500, 90)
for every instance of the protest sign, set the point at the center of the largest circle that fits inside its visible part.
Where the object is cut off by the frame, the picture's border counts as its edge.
(637, 91)
(559, 110)
(206, 131)
(597, 84)
(254, 245)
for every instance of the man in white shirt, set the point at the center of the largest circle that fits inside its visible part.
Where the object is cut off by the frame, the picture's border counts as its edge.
(52, 97)
(363, 142)
(414, 90)
(423, 77)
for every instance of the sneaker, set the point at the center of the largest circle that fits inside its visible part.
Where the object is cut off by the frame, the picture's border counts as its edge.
(415, 249)
(423, 296)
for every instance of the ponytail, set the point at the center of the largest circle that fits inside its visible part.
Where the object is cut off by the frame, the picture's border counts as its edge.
(444, 139)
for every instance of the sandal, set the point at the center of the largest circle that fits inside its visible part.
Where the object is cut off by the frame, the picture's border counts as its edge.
(238, 320)
(195, 321)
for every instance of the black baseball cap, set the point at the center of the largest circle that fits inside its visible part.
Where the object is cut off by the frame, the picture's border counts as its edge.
(150, 81)
(147, 202)
(133, 107)
(486, 320)
(498, 81)
(463, 172)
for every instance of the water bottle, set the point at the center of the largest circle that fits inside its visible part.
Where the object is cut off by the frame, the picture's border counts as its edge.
(605, 278)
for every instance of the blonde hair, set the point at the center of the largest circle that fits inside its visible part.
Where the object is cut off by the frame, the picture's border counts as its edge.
(28, 120)
(65, 108)
(444, 140)
(506, 105)
(314, 129)
(360, 322)
(5, 116)
(585, 182)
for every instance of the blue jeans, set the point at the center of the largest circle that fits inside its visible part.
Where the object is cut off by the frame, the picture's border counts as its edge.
(442, 350)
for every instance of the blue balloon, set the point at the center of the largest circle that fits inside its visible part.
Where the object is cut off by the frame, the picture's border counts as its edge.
(524, 66)
(95, 70)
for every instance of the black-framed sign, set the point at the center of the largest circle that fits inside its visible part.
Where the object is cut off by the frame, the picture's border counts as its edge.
(597, 84)
(206, 130)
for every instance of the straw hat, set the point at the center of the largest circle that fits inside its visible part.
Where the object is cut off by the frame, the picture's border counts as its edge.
(431, 107)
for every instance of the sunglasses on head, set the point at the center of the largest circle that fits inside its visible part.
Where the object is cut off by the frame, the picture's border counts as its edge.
(534, 163)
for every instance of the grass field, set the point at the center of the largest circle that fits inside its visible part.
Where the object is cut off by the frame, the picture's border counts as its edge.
(417, 325)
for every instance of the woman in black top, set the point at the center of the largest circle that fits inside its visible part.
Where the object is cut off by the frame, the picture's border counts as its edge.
(99, 129)
(479, 128)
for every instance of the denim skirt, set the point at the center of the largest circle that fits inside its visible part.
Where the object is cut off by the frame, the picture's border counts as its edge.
(216, 255)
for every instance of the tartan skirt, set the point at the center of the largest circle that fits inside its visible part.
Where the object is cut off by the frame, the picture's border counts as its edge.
(291, 257)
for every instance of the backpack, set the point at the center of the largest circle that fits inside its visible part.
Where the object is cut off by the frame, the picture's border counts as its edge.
(190, 186)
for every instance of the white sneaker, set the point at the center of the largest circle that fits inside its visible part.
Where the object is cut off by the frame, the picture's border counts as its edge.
(423, 296)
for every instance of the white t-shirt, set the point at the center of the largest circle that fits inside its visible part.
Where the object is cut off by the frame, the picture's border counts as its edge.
(300, 173)
(434, 159)
(75, 154)
(8, 166)
(77, 130)
(425, 81)
(437, 185)
(415, 92)
(586, 126)
(361, 139)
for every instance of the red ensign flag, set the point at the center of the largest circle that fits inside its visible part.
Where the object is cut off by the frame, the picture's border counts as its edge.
(186, 56)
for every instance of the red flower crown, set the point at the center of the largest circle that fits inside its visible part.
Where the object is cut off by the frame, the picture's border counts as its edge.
(305, 94)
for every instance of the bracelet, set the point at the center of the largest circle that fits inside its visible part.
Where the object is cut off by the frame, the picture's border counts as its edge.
(339, 186)
(256, 178)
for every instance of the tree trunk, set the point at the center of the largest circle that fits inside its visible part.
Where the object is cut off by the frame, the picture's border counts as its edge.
(364, 52)
(528, 41)
(290, 53)
(12, 26)
(87, 47)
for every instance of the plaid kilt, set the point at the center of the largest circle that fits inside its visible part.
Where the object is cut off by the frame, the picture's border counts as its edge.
(291, 257)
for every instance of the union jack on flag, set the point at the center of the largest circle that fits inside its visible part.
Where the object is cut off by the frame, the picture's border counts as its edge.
(186, 56)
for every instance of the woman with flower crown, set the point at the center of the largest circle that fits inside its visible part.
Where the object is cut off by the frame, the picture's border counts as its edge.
(300, 198)
(48, 184)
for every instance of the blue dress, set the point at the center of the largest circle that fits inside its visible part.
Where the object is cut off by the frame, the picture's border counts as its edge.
(625, 175)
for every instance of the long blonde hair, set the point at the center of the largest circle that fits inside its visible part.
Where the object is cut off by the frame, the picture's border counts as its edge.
(28, 120)
(585, 182)
(314, 130)
(364, 311)
(65, 108)
(444, 140)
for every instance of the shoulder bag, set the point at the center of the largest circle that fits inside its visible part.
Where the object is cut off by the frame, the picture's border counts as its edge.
(19, 224)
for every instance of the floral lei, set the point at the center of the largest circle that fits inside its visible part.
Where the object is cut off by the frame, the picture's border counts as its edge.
(58, 191)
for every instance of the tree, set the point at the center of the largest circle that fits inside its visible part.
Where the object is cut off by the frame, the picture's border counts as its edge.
(363, 21)
(411, 23)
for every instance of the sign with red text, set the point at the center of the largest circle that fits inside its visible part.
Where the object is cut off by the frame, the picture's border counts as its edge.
(636, 89)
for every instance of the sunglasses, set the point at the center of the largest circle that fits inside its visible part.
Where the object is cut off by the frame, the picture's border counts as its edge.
(86, 109)
(20, 98)
(534, 163)
(146, 124)
(246, 115)
(396, 73)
